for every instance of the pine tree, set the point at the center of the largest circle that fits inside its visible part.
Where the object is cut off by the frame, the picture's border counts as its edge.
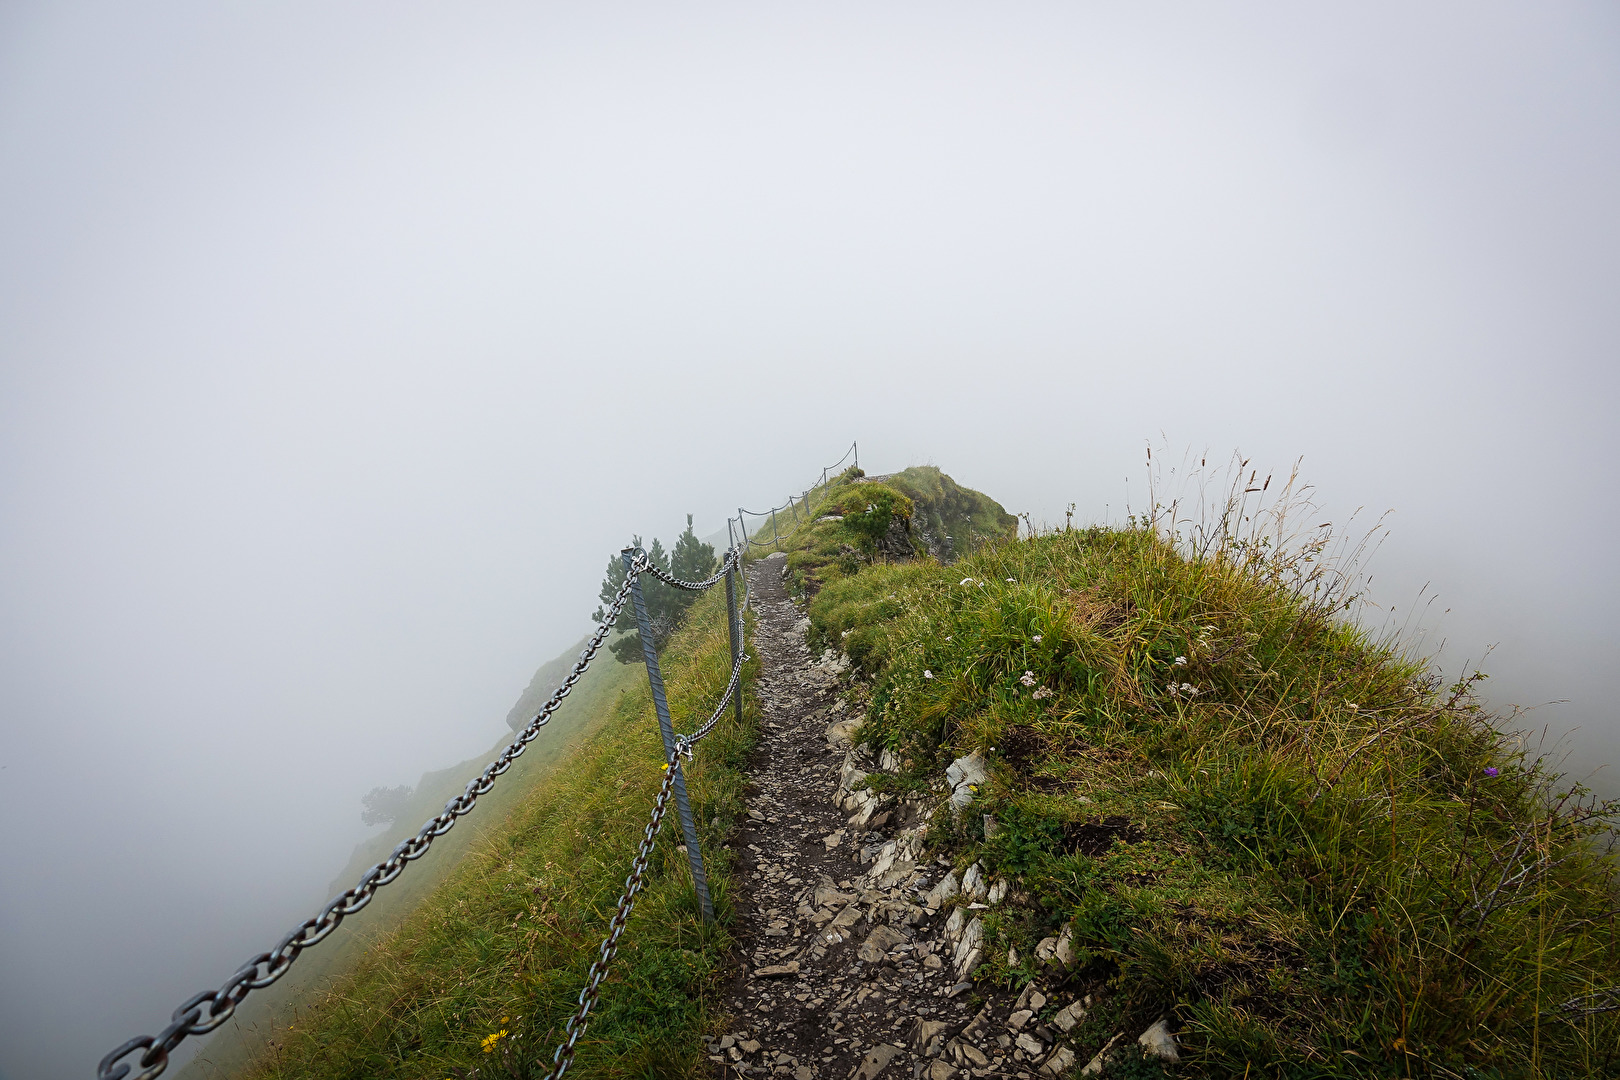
(664, 605)
(692, 559)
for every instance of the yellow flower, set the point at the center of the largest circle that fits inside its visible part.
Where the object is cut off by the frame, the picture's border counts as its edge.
(490, 1040)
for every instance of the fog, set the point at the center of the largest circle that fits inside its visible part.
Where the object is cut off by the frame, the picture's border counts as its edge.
(340, 346)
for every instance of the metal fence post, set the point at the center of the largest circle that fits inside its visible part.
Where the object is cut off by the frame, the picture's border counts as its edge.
(776, 537)
(683, 805)
(734, 624)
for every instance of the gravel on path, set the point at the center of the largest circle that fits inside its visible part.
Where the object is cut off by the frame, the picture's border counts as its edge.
(854, 952)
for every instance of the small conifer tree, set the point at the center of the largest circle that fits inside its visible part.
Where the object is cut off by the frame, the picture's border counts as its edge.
(693, 561)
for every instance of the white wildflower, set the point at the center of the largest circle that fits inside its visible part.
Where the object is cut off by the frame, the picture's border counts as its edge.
(1181, 660)
(927, 674)
(1028, 678)
(1036, 639)
(966, 581)
(1009, 581)
(1043, 692)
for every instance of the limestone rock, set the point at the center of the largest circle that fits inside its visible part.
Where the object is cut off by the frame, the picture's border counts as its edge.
(876, 1060)
(1060, 1062)
(948, 887)
(1070, 1015)
(968, 950)
(1046, 949)
(926, 1034)
(1158, 1041)
(1063, 951)
(997, 893)
(941, 1070)
(879, 942)
(776, 971)
(965, 775)
(973, 884)
(841, 733)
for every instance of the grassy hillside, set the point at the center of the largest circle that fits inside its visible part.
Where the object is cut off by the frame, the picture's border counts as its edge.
(580, 716)
(482, 972)
(856, 520)
(1291, 838)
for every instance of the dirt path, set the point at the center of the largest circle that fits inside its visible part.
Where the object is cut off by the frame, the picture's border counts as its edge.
(851, 953)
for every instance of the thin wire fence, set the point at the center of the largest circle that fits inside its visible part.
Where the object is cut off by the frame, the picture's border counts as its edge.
(206, 1011)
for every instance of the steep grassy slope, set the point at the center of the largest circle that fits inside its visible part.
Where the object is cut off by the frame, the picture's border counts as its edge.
(580, 716)
(484, 972)
(1291, 838)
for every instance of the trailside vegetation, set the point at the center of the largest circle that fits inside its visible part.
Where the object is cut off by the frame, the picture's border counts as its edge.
(1293, 838)
(482, 977)
(858, 520)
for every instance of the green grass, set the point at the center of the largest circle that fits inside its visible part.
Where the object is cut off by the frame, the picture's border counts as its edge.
(839, 532)
(1285, 832)
(503, 944)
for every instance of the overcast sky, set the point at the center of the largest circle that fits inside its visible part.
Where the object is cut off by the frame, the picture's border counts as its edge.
(341, 344)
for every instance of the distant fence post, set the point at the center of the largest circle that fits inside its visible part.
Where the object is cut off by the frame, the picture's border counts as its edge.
(734, 624)
(683, 805)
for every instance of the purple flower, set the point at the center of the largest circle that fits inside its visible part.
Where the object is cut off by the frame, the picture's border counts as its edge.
(1491, 771)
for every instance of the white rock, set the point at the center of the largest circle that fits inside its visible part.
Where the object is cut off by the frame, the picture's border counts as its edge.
(998, 892)
(841, 733)
(953, 925)
(889, 761)
(973, 884)
(968, 949)
(885, 859)
(1060, 1061)
(1069, 1015)
(964, 775)
(1063, 951)
(1045, 950)
(1029, 1044)
(948, 887)
(1158, 1041)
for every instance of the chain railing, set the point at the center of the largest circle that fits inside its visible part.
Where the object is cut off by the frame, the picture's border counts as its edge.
(741, 535)
(206, 1011)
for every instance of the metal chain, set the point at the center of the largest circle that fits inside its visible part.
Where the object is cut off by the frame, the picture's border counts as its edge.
(610, 944)
(695, 586)
(267, 967)
(632, 884)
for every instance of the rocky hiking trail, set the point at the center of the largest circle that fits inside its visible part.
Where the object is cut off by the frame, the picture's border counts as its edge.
(854, 952)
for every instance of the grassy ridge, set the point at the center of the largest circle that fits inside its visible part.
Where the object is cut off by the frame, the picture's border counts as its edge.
(483, 975)
(1289, 836)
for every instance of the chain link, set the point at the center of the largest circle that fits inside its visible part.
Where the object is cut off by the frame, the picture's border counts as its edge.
(705, 585)
(610, 944)
(632, 885)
